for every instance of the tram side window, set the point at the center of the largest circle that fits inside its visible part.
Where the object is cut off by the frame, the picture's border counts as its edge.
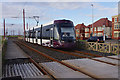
(29, 35)
(47, 29)
(26, 34)
(38, 35)
(33, 34)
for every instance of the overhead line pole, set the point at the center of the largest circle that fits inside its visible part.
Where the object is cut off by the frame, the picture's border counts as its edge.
(4, 28)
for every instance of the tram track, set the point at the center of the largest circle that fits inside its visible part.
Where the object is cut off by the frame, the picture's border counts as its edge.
(77, 53)
(85, 53)
(92, 55)
(43, 70)
(67, 65)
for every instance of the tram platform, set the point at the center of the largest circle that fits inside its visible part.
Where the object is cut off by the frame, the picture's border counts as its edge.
(13, 51)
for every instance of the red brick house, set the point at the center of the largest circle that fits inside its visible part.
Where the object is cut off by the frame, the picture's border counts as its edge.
(80, 31)
(100, 27)
(115, 27)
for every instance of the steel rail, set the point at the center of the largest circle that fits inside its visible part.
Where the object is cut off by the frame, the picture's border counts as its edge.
(63, 63)
(70, 53)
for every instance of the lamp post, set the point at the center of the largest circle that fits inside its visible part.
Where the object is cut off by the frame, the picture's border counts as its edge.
(12, 31)
(92, 20)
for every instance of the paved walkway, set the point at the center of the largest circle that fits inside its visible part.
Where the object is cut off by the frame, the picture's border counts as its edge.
(0, 57)
(13, 51)
(0, 61)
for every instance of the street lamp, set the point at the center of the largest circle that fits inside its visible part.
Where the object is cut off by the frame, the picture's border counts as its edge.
(92, 20)
(12, 31)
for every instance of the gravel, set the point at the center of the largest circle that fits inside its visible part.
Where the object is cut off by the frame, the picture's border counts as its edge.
(35, 56)
(57, 55)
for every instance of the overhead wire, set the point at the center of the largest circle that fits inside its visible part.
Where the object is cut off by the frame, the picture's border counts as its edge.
(22, 8)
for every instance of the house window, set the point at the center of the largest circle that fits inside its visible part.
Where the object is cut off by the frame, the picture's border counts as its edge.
(116, 34)
(86, 29)
(100, 34)
(86, 34)
(119, 26)
(91, 29)
(99, 28)
(116, 19)
(115, 26)
(95, 29)
(77, 35)
(77, 30)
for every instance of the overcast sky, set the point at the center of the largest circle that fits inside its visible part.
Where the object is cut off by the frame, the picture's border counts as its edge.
(79, 12)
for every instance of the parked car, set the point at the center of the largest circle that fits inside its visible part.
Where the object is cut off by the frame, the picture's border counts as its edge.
(96, 39)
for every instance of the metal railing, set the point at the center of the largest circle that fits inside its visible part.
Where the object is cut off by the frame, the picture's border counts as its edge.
(100, 47)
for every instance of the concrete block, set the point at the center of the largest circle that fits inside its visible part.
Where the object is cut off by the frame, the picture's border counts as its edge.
(108, 60)
(61, 71)
(96, 68)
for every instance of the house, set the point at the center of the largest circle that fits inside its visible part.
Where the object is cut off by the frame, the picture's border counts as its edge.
(116, 27)
(100, 27)
(80, 31)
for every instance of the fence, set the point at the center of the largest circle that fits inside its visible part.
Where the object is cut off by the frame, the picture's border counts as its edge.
(100, 47)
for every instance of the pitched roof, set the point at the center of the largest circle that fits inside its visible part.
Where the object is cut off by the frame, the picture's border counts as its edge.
(101, 22)
(80, 26)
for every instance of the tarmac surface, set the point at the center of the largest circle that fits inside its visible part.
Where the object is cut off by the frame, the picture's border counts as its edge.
(13, 51)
